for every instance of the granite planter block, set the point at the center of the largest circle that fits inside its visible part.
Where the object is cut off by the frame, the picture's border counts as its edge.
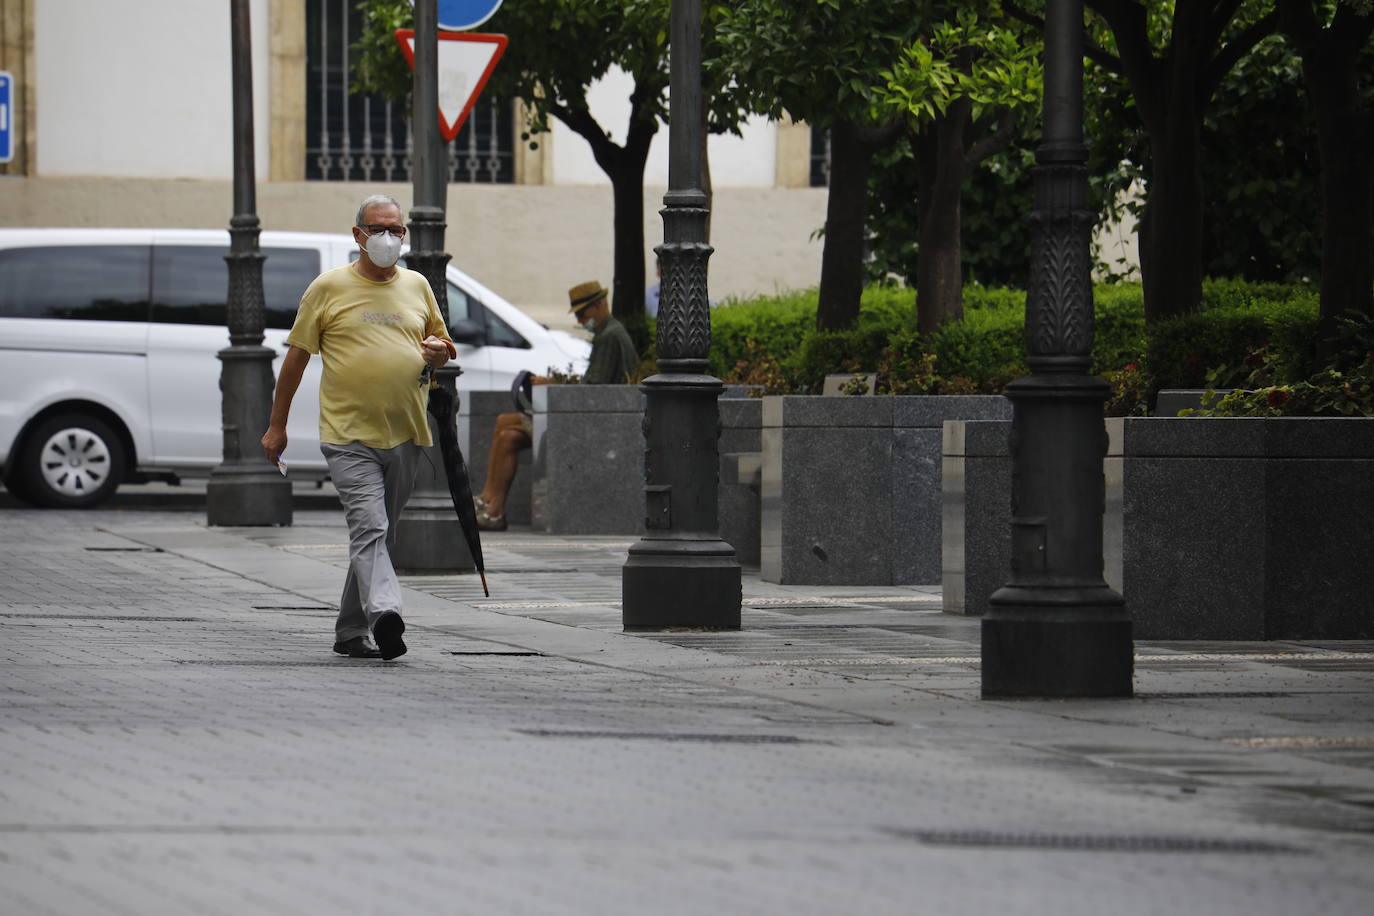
(1216, 528)
(976, 507)
(588, 460)
(477, 412)
(738, 506)
(851, 487)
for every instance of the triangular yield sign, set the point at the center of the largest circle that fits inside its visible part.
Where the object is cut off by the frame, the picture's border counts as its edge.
(466, 60)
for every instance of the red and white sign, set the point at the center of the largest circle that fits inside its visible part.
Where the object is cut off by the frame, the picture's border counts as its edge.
(466, 61)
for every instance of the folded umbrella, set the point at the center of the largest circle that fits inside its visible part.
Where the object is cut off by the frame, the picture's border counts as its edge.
(441, 406)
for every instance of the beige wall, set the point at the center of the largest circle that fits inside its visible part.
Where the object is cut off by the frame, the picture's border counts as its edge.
(16, 56)
(527, 242)
(286, 49)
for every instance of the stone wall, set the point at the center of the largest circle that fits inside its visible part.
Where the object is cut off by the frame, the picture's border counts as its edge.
(1215, 528)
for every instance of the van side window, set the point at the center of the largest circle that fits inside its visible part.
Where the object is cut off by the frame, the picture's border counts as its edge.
(458, 307)
(191, 284)
(500, 334)
(87, 282)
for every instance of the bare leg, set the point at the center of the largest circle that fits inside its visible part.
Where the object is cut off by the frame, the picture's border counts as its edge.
(508, 439)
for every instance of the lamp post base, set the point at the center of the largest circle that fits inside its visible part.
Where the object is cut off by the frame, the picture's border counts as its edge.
(429, 539)
(1081, 650)
(247, 497)
(677, 583)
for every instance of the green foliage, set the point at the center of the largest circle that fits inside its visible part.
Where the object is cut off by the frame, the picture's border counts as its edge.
(1247, 335)
(996, 199)
(965, 56)
(1260, 165)
(379, 66)
(1237, 319)
(817, 60)
(1260, 168)
(771, 341)
(1342, 388)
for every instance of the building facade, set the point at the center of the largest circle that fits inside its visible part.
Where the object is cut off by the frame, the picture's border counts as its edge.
(122, 117)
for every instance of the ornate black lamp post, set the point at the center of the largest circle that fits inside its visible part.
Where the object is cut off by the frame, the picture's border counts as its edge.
(1056, 628)
(429, 536)
(681, 574)
(245, 489)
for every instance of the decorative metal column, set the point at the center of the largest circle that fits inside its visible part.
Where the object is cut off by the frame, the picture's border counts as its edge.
(245, 489)
(1056, 629)
(429, 537)
(681, 574)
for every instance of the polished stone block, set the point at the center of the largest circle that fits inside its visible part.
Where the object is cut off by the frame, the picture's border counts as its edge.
(588, 460)
(851, 487)
(740, 450)
(976, 508)
(1215, 528)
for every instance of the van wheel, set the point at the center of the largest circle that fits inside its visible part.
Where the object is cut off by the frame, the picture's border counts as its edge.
(71, 461)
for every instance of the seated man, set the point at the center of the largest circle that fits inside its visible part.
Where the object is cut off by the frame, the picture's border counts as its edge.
(613, 361)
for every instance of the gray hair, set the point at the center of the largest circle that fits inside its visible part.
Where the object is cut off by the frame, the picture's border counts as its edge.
(376, 200)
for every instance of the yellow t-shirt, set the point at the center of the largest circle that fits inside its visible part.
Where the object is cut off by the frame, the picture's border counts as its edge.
(368, 335)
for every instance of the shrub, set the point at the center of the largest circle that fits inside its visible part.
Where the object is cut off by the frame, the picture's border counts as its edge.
(1343, 388)
(772, 341)
(1236, 319)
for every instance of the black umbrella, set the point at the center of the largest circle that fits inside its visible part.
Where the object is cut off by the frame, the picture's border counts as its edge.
(456, 470)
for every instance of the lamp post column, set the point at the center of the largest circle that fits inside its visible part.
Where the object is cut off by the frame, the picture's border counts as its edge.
(681, 574)
(429, 537)
(1056, 629)
(245, 489)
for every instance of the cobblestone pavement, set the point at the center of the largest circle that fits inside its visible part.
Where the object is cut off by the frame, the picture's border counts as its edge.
(176, 737)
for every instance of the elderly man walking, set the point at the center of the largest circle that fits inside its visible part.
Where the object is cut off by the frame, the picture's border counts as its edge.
(376, 327)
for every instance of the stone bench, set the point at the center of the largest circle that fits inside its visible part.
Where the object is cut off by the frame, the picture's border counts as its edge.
(586, 475)
(1215, 528)
(851, 486)
(588, 463)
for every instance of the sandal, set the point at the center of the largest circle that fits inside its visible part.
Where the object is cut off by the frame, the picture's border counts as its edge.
(488, 522)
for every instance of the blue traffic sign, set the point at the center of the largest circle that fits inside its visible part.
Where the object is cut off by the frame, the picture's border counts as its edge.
(6, 116)
(457, 15)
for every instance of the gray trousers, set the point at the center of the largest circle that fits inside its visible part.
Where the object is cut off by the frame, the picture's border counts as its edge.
(373, 485)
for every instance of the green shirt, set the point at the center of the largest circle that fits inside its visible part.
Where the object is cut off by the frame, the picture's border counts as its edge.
(614, 357)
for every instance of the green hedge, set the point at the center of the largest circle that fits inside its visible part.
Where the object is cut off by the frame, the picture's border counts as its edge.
(771, 341)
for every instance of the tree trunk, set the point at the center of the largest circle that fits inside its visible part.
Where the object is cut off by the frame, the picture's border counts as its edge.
(940, 172)
(1345, 141)
(1347, 181)
(1171, 94)
(842, 271)
(627, 284)
(1171, 229)
(624, 165)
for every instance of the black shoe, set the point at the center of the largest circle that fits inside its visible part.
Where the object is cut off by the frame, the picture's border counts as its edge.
(387, 631)
(357, 647)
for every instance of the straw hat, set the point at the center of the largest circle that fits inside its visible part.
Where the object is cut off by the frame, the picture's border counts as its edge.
(585, 294)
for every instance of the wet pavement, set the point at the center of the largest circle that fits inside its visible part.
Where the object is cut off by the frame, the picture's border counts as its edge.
(177, 737)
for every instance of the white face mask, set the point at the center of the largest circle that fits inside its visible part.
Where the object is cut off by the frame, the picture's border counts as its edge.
(383, 249)
(589, 324)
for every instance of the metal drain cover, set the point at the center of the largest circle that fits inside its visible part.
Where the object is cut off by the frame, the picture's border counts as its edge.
(1087, 842)
(663, 736)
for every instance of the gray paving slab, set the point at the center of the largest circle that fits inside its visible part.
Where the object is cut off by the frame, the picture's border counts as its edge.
(176, 737)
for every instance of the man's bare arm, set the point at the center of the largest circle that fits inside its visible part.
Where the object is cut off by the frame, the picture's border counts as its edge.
(288, 380)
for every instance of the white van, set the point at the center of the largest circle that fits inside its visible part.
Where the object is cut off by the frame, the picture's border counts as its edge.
(108, 343)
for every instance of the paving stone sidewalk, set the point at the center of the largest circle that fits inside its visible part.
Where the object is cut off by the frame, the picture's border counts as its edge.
(177, 737)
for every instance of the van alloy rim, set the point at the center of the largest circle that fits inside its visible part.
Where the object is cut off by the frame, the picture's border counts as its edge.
(74, 461)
